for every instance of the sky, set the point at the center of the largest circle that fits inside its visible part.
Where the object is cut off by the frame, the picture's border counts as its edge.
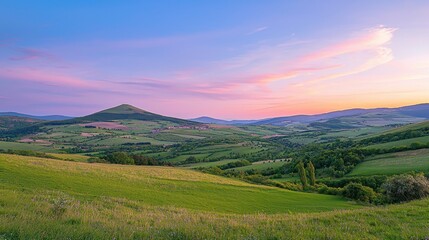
(241, 59)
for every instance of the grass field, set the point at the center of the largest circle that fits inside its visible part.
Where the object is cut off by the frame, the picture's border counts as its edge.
(53, 199)
(25, 146)
(260, 166)
(400, 143)
(394, 163)
(210, 164)
(70, 157)
(158, 186)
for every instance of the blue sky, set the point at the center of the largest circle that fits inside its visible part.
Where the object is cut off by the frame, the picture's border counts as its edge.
(228, 59)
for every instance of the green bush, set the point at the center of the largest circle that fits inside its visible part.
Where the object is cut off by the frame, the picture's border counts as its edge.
(119, 158)
(406, 187)
(323, 189)
(292, 186)
(359, 192)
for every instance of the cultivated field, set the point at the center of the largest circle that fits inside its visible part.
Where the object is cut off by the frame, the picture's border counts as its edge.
(394, 163)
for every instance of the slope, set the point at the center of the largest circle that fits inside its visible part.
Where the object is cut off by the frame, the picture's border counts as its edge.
(158, 186)
(52, 203)
(12, 122)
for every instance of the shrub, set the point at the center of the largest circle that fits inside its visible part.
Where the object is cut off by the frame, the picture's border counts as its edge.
(323, 189)
(120, 158)
(406, 187)
(292, 186)
(359, 192)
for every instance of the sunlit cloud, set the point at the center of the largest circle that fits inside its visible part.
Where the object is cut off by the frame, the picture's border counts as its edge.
(369, 40)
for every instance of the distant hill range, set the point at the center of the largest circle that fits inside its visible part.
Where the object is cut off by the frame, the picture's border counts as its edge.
(209, 120)
(350, 118)
(45, 118)
(126, 111)
(341, 119)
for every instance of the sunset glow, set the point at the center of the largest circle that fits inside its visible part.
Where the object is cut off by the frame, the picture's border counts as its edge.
(190, 59)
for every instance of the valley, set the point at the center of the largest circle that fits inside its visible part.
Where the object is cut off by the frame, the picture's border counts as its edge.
(162, 173)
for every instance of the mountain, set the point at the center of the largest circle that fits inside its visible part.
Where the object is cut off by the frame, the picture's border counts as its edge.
(123, 112)
(101, 119)
(419, 110)
(350, 118)
(209, 120)
(46, 118)
(313, 118)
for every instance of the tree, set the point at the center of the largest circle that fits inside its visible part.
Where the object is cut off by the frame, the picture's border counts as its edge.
(302, 174)
(311, 173)
(406, 187)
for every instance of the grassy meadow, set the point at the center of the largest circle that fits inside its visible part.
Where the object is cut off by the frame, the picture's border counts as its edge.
(158, 186)
(54, 199)
(394, 163)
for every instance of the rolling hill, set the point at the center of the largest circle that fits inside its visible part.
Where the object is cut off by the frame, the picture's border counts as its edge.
(159, 186)
(209, 120)
(53, 199)
(12, 122)
(46, 118)
(124, 112)
(344, 119)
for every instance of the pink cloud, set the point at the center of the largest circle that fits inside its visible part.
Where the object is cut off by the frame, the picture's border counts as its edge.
(48, 77)
(268, 78)
(371, 43)
(372, 39)
(381, 56)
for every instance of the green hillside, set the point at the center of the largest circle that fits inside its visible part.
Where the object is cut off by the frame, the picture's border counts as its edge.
(394, 163)
(12, 122)
(126, 111)
(53, 199)
(158, 186)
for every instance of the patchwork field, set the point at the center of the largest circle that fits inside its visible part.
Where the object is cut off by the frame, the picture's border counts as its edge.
(261, 165)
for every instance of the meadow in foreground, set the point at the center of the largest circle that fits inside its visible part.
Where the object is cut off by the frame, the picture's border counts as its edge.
(54, 199)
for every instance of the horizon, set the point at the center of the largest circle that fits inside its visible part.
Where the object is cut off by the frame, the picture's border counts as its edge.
(213, 117)
(190, 59)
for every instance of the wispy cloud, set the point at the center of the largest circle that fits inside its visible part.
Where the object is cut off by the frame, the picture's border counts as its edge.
(31, 54)
(259, 29)
(47, 77)
(370, 39)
